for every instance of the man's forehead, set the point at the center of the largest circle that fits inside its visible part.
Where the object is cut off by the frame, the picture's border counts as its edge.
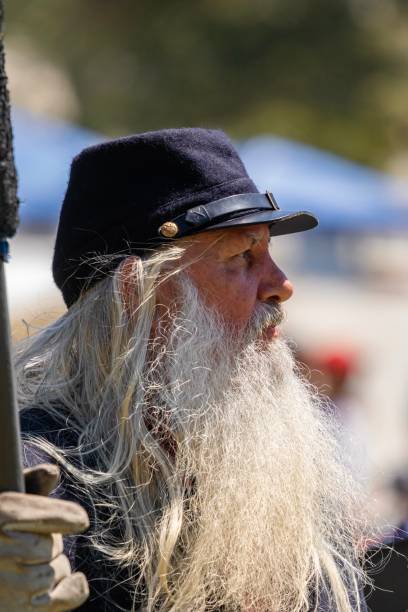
(229, 239)
(252, 234)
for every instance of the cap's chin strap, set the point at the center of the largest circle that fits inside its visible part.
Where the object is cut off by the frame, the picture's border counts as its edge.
(200, 217)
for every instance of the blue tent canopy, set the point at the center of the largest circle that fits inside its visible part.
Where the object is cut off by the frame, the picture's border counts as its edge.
(345, 196)
(44, 150)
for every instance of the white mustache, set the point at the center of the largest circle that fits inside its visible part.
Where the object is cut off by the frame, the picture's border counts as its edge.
(266, 315)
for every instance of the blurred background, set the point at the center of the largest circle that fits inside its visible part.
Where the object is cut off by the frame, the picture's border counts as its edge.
(315, 94)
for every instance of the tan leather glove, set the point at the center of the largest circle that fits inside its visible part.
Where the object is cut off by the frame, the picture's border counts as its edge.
(34, 572)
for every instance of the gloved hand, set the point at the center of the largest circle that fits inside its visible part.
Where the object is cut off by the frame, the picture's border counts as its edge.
(34, 572)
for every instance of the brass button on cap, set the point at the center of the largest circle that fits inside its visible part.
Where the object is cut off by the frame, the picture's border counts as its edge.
(169, 229)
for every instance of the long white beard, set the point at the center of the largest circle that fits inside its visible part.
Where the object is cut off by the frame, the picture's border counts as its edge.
(270, 510)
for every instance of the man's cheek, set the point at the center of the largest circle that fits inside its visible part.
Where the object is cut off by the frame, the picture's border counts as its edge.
(239, 312)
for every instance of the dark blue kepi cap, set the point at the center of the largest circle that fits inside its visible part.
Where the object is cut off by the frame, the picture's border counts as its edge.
(128, 196)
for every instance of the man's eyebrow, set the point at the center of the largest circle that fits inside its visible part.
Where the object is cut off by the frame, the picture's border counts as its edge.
(254, 237)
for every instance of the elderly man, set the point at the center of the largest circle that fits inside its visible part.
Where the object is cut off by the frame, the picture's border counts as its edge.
(172, 406)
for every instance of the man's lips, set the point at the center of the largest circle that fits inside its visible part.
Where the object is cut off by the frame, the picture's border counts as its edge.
(270, 332)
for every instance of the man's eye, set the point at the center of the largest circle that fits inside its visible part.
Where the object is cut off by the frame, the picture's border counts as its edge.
(245, 255)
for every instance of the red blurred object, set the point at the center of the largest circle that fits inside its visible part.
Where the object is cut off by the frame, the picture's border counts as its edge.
(330, 368)
(338, 362)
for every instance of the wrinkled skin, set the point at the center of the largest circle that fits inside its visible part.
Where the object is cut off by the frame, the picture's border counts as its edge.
(34, 572)
(234, 271)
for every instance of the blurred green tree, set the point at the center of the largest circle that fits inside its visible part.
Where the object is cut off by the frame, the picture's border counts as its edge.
(326, 72)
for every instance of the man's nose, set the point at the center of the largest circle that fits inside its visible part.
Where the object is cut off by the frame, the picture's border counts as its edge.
(274, 285)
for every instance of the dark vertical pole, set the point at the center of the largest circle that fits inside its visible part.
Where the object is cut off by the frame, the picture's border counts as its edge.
(11, 478)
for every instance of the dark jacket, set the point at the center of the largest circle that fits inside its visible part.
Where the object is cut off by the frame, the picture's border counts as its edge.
(108, 585)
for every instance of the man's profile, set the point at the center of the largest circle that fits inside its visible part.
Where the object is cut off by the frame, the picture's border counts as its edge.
(174, 409)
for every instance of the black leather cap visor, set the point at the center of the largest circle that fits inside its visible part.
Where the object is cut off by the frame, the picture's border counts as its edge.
(238, 210)
(279, 222)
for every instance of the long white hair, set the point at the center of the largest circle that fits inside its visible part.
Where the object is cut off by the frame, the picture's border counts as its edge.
(211, 456)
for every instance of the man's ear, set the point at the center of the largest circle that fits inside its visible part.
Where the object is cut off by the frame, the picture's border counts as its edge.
(128, 274)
